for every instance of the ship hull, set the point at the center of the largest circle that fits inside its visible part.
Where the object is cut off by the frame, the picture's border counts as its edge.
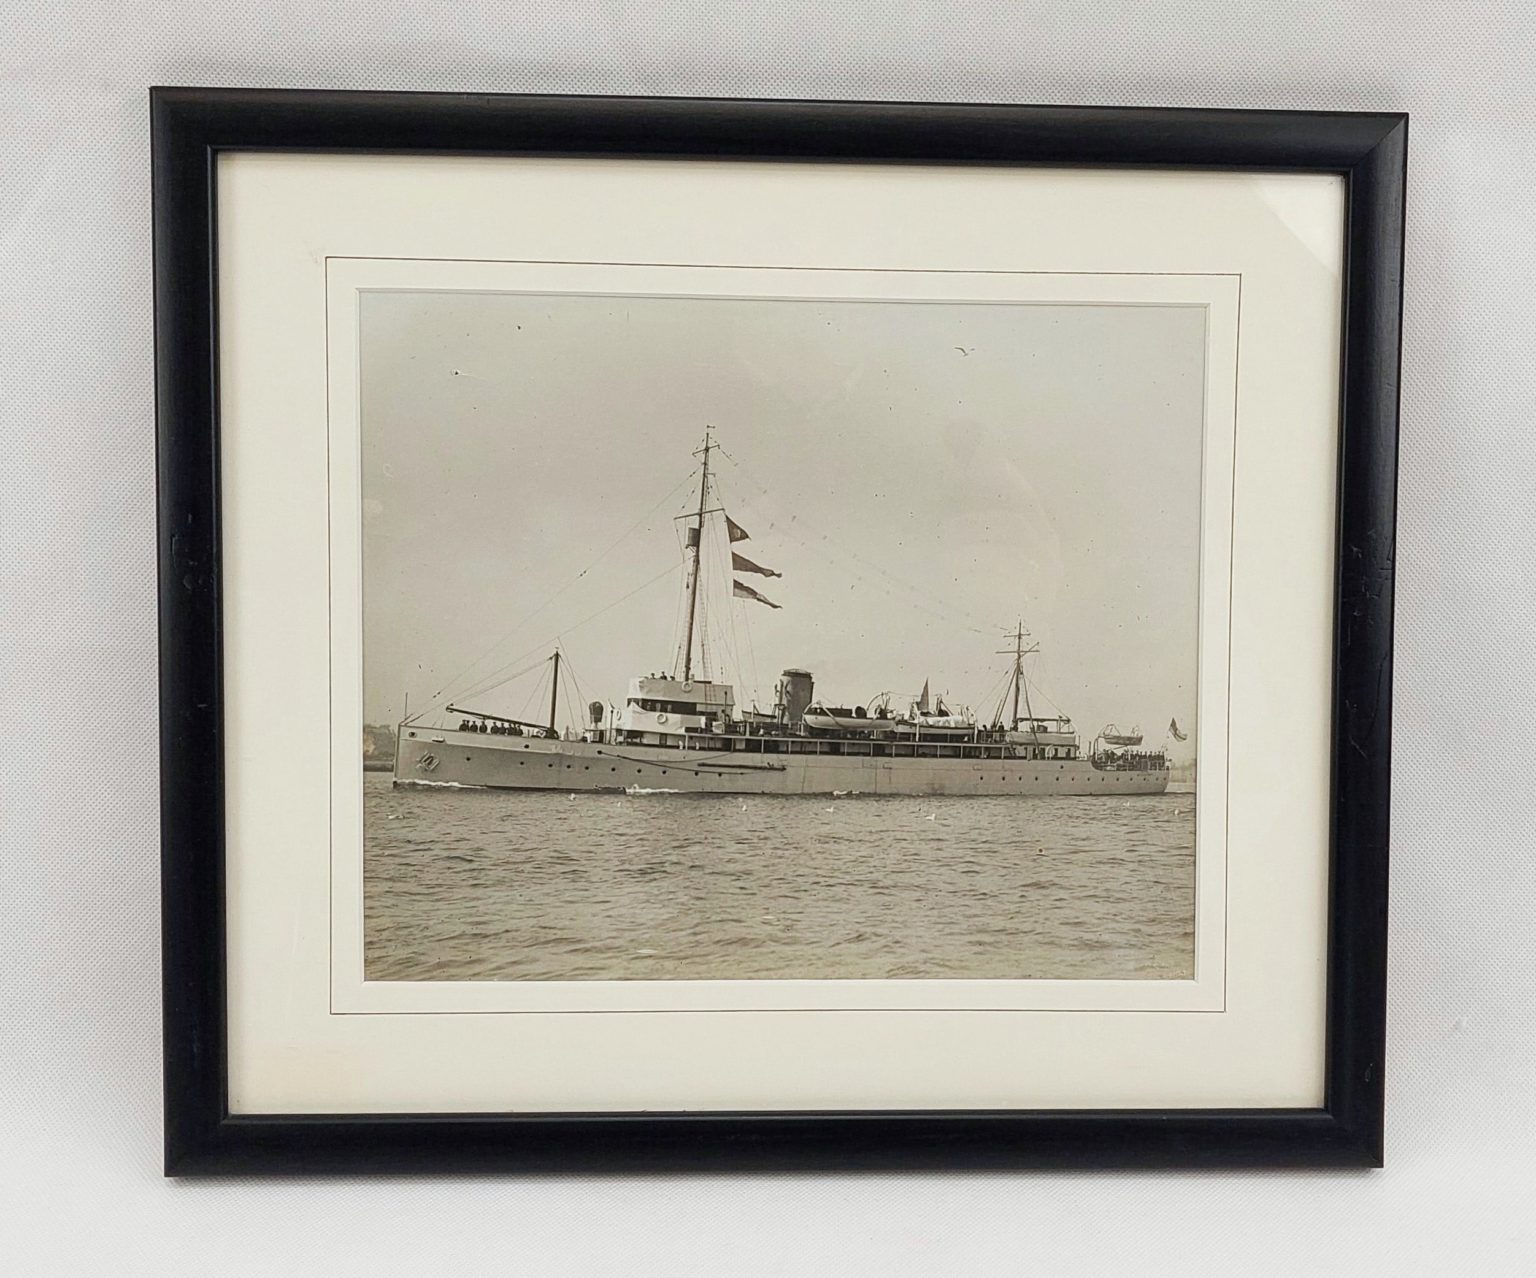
(447, 757)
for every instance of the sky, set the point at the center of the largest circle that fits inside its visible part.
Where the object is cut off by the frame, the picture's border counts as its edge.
(924, 475)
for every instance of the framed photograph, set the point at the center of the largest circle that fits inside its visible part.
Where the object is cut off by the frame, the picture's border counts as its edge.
(704, 634)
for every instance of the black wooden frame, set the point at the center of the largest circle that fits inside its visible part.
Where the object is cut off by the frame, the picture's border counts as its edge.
(191, 126)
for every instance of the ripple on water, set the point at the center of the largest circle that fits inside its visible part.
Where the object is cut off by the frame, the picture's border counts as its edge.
(483, 885)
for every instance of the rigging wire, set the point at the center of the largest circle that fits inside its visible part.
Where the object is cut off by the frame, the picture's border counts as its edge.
(1000, 687)
(924, 596)
(680, 604)
(918, 600)
(751, 655)
(571, 704)
(533, 697)
(580, 693)
(725, 618)
(644, 520)
(737, 609)
(492, 680)
(516, 674)
(1040, 692)
(699, 569)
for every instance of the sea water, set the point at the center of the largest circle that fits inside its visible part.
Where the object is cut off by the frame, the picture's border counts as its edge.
(464, 884)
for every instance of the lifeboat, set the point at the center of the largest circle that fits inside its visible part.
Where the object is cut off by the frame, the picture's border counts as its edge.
(820, 718)
(937, 725)
(1112, 736)
(1041, 737)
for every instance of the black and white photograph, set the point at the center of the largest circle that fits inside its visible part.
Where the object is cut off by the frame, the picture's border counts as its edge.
(722, 638)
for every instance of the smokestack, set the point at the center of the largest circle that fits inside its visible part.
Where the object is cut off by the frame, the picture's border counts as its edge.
(796, 689)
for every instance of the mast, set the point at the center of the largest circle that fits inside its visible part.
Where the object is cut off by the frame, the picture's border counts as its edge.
(698, 551)
(1018, 670)
(554, 690)
(1020, 685)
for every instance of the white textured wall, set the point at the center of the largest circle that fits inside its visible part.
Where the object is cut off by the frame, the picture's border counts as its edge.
(79, 1050)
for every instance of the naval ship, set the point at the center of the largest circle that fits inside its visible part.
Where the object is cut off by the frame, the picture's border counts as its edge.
(681, 732)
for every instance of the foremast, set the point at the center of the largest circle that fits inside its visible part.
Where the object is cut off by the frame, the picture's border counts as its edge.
(696, 544)
(694, 624)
